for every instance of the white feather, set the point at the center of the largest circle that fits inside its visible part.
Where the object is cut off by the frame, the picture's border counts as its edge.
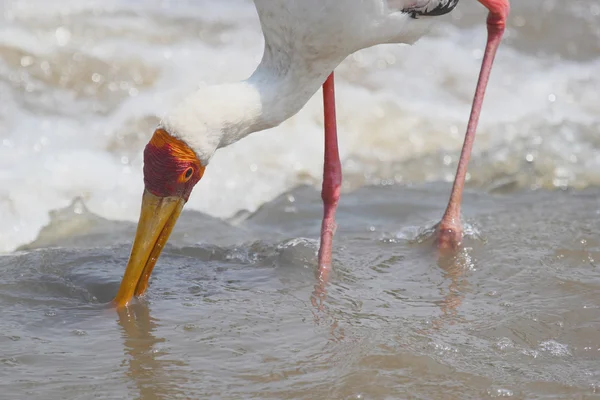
(304, 41)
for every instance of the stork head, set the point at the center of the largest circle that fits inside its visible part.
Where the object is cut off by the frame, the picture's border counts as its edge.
(174, 161)
(171, 170)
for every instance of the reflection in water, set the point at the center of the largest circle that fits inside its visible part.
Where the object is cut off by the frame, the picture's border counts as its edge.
(149, 367)
(454, 263)
(454, 266)
(320, 312)
(318, 295)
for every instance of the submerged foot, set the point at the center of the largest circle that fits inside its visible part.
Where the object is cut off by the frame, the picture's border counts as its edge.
(448, 237)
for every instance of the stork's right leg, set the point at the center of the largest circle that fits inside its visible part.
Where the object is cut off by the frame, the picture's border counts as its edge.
(449, 231)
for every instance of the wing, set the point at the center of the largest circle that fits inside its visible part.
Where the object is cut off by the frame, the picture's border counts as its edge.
(417, 8)
(317, 28)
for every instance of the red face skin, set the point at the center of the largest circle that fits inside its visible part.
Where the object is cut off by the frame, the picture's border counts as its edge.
(171, 168)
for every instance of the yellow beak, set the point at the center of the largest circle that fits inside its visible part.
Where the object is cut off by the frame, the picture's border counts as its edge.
(157, 219)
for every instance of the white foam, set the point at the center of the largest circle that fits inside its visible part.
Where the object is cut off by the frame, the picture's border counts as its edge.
(394, 103)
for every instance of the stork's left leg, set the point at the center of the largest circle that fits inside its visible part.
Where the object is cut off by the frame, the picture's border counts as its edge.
(449, 231)
(332, 180)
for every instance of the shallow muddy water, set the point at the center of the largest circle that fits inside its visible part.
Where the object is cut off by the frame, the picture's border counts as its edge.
(232, 311)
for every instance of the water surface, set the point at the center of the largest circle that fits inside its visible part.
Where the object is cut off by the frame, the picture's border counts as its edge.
(232, 311)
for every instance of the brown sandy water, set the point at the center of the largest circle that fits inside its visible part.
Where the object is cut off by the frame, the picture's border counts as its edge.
(230, 311)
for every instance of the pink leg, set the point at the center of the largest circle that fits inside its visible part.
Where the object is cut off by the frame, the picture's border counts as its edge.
(332, 180)
(449, 230)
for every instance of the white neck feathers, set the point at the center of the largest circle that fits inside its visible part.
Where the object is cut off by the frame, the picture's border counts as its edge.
(217, 116)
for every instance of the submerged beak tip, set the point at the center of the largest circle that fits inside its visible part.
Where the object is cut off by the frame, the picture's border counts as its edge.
(157, 219)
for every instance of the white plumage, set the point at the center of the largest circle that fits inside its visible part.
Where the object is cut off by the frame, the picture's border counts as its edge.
(305, 40)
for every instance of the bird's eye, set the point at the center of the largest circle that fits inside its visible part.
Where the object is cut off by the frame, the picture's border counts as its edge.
(188, 173)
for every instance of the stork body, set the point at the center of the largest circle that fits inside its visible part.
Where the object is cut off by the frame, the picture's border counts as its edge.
(305, 40)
